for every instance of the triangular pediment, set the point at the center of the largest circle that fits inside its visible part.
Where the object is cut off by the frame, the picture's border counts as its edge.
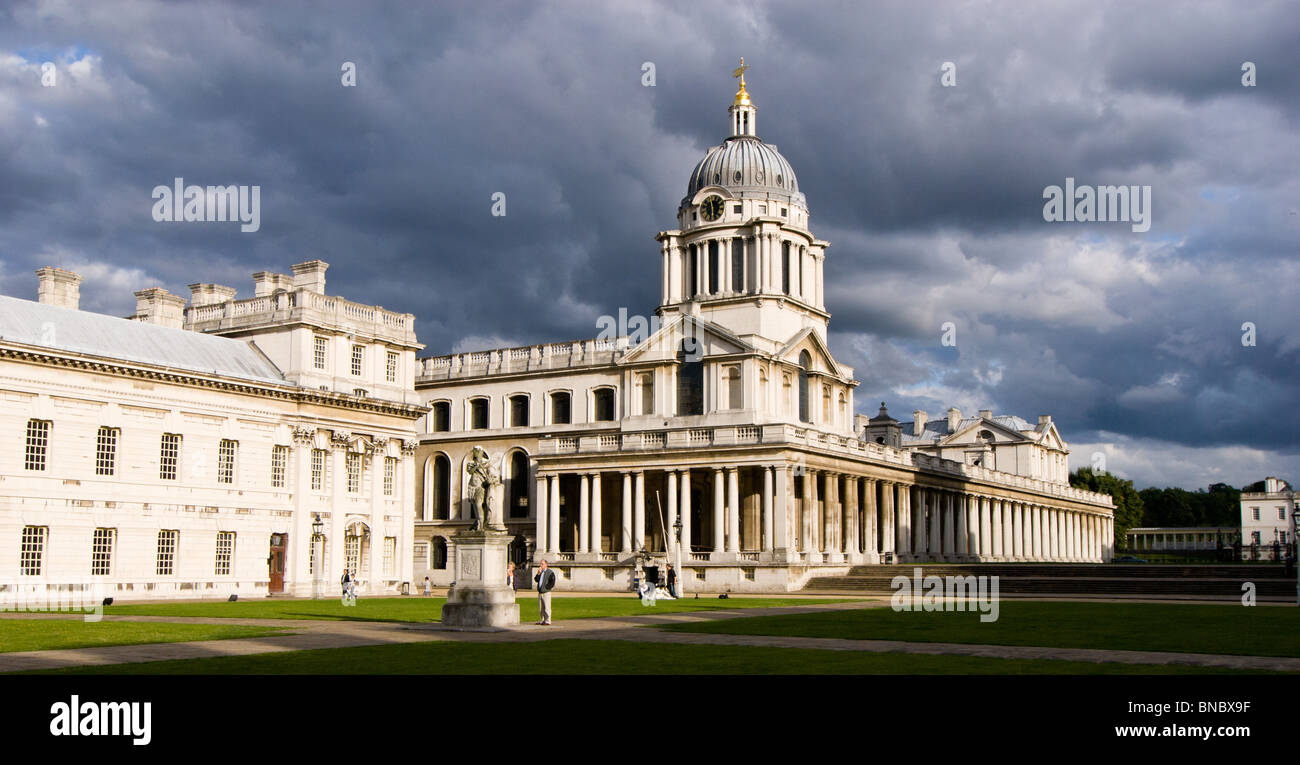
(970, 434)
(711, 339)
(808, 340)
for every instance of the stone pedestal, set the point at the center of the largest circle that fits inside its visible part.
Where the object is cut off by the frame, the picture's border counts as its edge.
(480, 598)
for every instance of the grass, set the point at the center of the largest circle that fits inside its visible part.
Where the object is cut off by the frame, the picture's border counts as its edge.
(1236, 630)
(599, 657)
(421, 609)
(45, 634)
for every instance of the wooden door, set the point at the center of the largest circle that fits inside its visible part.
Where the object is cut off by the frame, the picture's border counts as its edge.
(275, 563)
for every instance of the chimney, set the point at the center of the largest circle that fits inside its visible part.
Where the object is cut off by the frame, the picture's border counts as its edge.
(156, 305)
(310, 275)
(207, 294)
(954, 419)
(918, 422)
(58, 287)
(1044, 420)
(986, 414)
(266, 283)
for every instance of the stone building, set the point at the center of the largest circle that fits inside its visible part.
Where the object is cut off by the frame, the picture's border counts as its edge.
(1266, 523)
(726, 412)
(188, 451)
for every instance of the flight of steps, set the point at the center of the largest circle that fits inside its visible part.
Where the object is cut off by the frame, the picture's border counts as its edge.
(1215, 582)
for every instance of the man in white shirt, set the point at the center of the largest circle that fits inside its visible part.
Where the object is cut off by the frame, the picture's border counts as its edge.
(545, 579)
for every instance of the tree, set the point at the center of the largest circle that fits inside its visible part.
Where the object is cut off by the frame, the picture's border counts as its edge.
(1128, 504)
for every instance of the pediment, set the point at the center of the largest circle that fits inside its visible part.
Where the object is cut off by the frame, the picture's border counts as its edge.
(808, 340)
(664, 344)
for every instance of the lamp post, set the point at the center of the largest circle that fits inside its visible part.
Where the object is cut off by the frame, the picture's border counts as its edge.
(1295, 545)
(677, 554)
(317, 534)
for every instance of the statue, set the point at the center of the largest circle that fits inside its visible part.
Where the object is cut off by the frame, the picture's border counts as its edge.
(482, 479)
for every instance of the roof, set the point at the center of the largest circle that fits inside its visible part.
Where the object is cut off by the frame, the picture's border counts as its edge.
(937, 428)
(744, 163)
(95, 334)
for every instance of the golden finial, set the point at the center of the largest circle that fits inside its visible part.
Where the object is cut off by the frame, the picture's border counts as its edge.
(742, 95)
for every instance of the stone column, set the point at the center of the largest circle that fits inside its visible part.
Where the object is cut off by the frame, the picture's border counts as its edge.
(1017, 530)
(627, 514)
(949, 537)
(916, 499)
(768, 526)
(1036, 513)
(733, 510)
(886, 517)
(995, 526)
(553, 517)
(831, 519)
(597, 509)
(781, 504)
(986, 528)
(685, 487)
(719, 503)
(935, 520)
(852, 528)
(1008, 530)
(542, 496)
(638, 510)
(903, 521)
(670, 492)
(962, 525)
(584, 511)
(870, 524)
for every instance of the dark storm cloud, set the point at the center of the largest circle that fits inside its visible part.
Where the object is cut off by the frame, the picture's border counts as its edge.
(931, 196)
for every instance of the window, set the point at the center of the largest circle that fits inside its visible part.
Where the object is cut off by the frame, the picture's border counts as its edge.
(441, 417)
(393, 359)
(359, 392)
(788, 267)
(352, 553)
(1254, 537)
(441, 495)
(1254, 512)
(735, 388)
(439, 553)
(692, 270)
(1281, 513)
(561, 411)
(321, 357)
(38, 441)
(106, 451)
(101, 552)
(279, 461)
(478, 414)
(737, 265)
(804, 362)
(32, 553)
(390, 470)
(390, 553)
(690, 379)
(646, 382)
(826, 404)
(517, 486)
(358, 360)
(318, 470)
(603, 399)
(519, 411)
(713, 268)
(166, 561)
(225, 552)
(169, 456)
(354, 472)
(226, 460)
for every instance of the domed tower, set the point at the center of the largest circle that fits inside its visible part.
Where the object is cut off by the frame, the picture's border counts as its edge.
(743, 255)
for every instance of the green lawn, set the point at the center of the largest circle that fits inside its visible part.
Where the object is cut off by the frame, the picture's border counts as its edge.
(421, 609)
(1258, 631)
(597, 657)
(44, 634)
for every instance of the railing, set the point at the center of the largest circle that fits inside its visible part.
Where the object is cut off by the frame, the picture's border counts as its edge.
(585, 353)
(609, 441)
(700, 557)
(609, 557)
(340, 307)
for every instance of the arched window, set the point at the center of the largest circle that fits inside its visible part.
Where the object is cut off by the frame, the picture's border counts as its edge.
(439, 553)
(478, 414)
(787, 394)
(843, 410)
(827, 412)
(561, 408)
(692, 269)
(517, 485)
(763, 403)
(735, 392)
(690, 379)
(805, 361)
(441, 493)
(603, 402)
(787, 266)
(713, 268)
(440, 417)
(519, 411)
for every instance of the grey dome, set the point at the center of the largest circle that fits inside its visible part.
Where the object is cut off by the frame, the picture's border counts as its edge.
(744, 163)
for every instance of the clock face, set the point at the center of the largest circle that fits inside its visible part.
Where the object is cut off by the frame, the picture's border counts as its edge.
(711, 209)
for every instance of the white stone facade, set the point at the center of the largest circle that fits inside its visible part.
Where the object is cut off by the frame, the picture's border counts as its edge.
(1266, 517)
(151, 461)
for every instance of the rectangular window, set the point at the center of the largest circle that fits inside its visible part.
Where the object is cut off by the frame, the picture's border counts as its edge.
(354, 472)
(393, 359)
(713, 268)
(32, 554)
(738, 264)
(478, 414)
(390, 554)
(106, 451)
(788, 267)
(169, 456)
(38, 441)
(321, 358)
(358, 360)
(166, 561)
(318, 470)
(390, 470)
(441, 415)
(225, 552)
(226, 460)
(101, 552)
(279, 462)
(1281, 513)
(1255, 513)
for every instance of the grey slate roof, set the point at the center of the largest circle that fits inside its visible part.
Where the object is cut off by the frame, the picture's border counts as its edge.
(94, 334)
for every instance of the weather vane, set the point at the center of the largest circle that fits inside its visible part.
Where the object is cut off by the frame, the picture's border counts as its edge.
(740, 71)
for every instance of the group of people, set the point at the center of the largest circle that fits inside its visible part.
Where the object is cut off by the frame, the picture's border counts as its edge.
(647, 586)
(349, 583)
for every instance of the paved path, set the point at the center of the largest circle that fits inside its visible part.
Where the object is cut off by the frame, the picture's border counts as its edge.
(340, 634)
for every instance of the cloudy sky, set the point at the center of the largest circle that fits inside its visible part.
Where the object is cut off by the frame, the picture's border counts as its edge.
(931, 196)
